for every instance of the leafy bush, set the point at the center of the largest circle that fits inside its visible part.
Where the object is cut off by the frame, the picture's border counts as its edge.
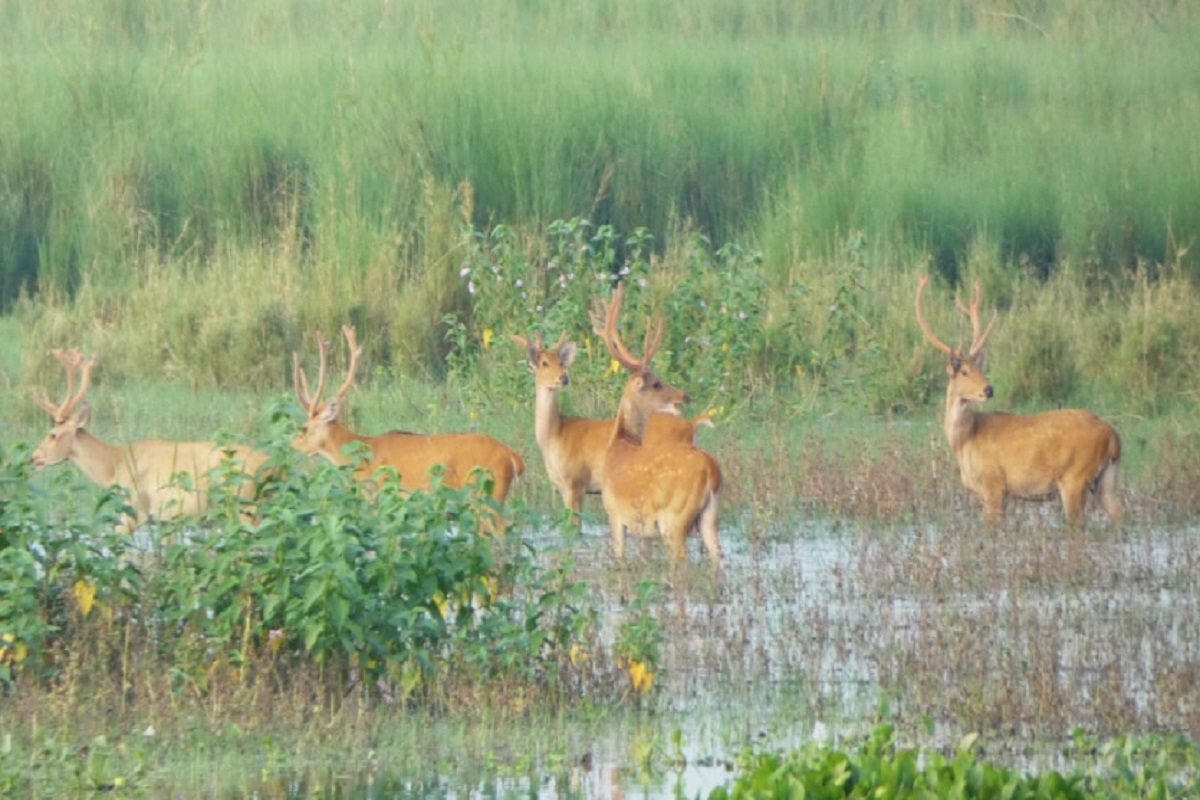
(400, 593)
(1126, 768)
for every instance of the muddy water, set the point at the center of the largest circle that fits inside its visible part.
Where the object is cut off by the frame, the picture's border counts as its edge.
(1024, 635)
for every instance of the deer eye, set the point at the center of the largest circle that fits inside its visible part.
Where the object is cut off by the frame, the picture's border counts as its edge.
(658, 384)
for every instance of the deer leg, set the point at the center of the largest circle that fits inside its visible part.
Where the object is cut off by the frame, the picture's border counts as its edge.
(707, 523)
(573, 499)
(618, 535)
(1106, 487)
(675, 533)
(993, 507)
(1073, 502)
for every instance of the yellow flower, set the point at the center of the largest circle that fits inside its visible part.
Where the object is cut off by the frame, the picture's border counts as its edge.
(577, 655)
(799, 369)
(85, 593)
(613, 368)
(488, 333)
(641, 675)
(443, 605)
(12, 652)
(490, 588)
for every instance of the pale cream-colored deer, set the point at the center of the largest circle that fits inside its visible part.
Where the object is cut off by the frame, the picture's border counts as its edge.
(411, 455)
(153, 472)
(573, 448)
(1033, 457)
(669, 487)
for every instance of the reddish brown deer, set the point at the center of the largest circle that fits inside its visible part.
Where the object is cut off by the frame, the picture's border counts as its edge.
(1031, 457)
(148, 470)
(411, 455)
(669, 487)
(573, 448)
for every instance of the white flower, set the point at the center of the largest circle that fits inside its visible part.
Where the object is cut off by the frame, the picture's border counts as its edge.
(470, 287)
(520, 283)
(464, 272)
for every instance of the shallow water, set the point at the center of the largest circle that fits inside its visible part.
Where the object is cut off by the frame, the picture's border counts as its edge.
(809, 633)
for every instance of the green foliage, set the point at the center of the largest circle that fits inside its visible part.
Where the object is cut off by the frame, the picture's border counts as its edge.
(1044, 365)
(52, 767)
(713, 299)
(1127, 768)
(398, 592)
(639, 635)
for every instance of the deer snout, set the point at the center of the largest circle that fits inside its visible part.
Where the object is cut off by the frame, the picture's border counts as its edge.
(987, 391)
(565, 380)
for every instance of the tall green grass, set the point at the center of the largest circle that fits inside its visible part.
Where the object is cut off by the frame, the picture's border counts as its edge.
(190, 130)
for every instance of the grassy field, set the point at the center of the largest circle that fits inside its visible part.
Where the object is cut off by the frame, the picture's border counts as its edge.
(244, 175)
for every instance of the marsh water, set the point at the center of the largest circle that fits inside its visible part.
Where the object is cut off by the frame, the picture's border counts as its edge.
(818, 630)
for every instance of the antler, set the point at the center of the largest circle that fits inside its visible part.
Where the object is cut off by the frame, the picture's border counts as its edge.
(936, 342)
(537, 341)
(311, 400)
(355, 352)
(977, 341)
(300, 380)
(604, 323)
(71, 360)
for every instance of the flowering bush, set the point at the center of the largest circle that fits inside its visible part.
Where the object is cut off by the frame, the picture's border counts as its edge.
(711, 300)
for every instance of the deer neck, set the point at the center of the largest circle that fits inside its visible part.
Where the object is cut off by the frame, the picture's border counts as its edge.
(547, 420)
(631, 422)
(336, 438)
(96, 459)
(960, 421)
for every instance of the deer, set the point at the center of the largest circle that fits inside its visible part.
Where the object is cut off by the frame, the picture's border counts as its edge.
(149, 470)
(573, 448)
(1032, 457)
(411, 455)
(669, 487)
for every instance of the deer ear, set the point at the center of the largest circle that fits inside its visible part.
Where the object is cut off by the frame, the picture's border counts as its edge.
(82, 416)
(566, 355)
(980, 361)
(333, 410)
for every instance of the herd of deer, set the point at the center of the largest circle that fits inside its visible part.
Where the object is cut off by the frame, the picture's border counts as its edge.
(645, 464)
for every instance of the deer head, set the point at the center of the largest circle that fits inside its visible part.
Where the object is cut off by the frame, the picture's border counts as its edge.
(314, 435)
(645, 393)
(68, 416)
(965, 370)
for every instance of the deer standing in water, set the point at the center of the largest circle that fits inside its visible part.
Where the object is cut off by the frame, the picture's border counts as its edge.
(573, 448)
(666, 488)
(1033, 457)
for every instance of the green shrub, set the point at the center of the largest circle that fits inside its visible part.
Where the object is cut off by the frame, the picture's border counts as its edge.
(1127, 767)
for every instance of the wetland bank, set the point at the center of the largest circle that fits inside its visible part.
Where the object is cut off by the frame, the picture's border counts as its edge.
(190, 193)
